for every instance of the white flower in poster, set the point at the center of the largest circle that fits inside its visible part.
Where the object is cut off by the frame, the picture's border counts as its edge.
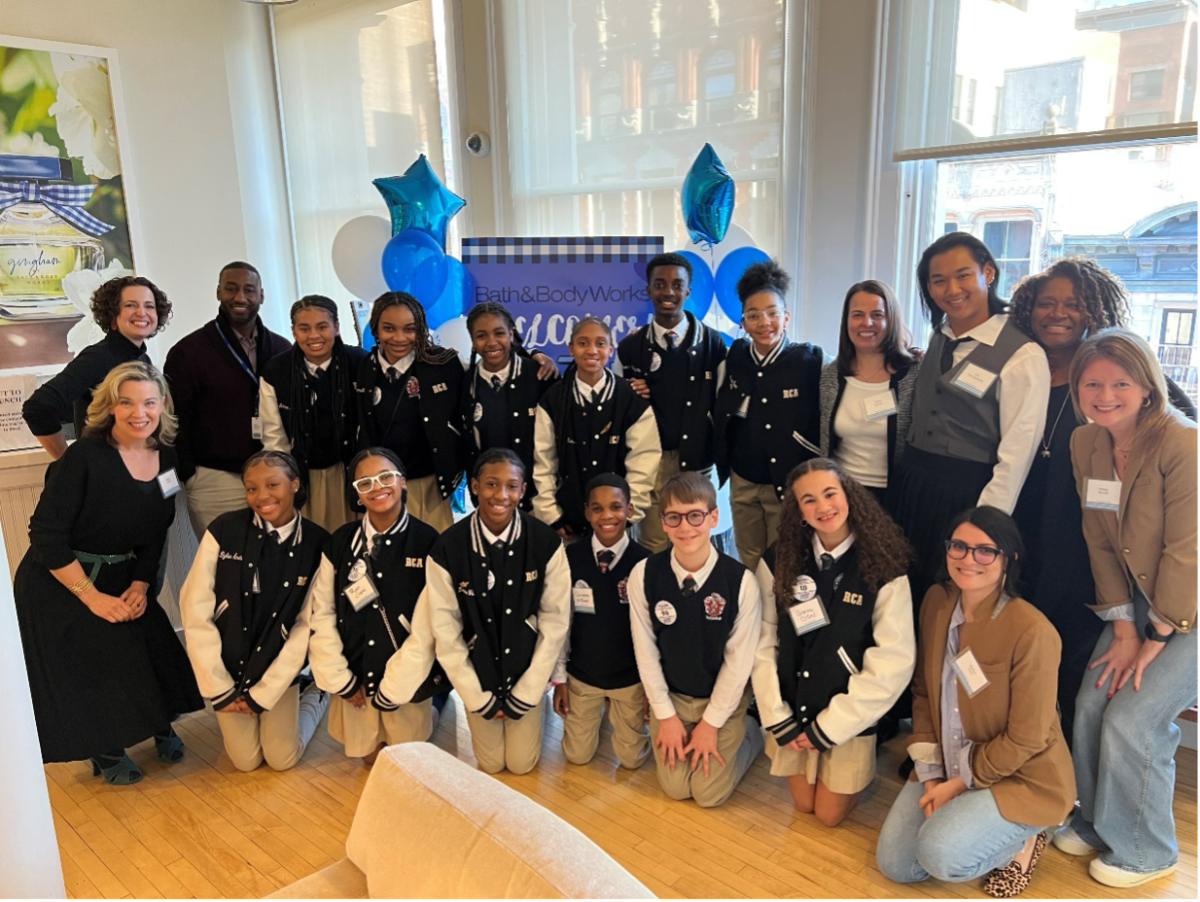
(84, 114)
(31, 145)
(79, 286)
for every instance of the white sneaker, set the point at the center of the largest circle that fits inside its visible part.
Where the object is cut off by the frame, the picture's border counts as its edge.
(1110, 875)
(1067, 840)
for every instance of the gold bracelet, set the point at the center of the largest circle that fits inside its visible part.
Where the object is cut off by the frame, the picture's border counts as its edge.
(80, 586)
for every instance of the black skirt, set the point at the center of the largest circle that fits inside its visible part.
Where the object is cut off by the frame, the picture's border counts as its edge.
(927, 492)
(97, 686)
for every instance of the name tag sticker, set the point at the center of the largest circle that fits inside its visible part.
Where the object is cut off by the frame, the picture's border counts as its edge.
(583, 600)
(975, 380)
(168, 481)
(969, 673)
(1103, 494)
(256, 428)
(882, 404)
(808, 615)
(361, 592)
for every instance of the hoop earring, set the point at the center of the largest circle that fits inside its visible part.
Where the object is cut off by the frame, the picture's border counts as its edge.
(1146, 401)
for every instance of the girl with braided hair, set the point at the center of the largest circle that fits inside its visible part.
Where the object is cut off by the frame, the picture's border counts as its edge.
(502, 389)
(1058, 308)
(409, 396)
(837, 646)
(309, 407)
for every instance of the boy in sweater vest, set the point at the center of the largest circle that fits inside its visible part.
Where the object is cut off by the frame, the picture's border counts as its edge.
(696, 616)
(597, 664)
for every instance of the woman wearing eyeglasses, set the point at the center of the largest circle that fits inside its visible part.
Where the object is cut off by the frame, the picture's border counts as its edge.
(370, 578)
(992, 768)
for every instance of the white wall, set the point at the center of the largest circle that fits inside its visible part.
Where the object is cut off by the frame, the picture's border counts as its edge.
(201, 154)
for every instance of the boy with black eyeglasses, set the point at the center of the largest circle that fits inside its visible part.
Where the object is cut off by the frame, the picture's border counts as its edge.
(696, 616)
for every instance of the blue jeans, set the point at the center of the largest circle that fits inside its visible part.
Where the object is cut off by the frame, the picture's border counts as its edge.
(964, 839)
(1124, 755)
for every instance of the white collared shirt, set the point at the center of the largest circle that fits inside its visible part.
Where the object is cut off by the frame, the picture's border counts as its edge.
(283, 533)
(591, 392)
(618, 549)
(842, 548)
(658, 334)
(400, 367)
(314, 368)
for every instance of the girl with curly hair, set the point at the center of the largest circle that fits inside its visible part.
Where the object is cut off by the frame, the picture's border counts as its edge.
(129, 310)
(409, 391)
(837, 646)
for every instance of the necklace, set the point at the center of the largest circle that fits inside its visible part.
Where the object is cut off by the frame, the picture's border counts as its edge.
(1047, 439)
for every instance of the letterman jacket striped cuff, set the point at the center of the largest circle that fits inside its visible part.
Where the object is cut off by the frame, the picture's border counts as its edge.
(491, 709)
(820, 741)
(515, 709)
(382, 702)
(785, 731)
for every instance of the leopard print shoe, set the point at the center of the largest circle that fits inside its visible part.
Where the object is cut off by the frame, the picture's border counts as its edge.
(1010, 880)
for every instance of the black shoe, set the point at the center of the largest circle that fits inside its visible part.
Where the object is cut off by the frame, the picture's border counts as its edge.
(906, 768)
(887, 728)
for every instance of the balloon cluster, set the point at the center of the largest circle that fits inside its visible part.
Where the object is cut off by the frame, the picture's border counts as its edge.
(371, 256)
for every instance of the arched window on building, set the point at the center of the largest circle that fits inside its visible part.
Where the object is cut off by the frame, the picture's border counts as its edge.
(660, 95)
(607, 103)
(718, 77)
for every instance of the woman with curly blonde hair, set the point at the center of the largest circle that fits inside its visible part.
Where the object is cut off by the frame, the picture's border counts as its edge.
(837, 647)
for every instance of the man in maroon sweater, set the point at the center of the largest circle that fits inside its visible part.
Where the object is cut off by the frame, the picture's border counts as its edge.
(213, 374)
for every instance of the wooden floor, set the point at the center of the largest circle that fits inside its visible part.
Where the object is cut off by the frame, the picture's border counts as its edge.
(200, 828)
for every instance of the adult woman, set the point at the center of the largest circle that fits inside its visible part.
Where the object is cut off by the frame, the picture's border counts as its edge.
(1135, 469)
(309, 407)
(129, 309)
(992, 770)
(1058, 308)
(875, 375)
(977, 409)
(105, 668)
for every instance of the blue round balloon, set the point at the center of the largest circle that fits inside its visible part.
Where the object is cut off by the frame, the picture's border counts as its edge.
(707, 198)
(449, 304)
(729, 271)
(414, 262)
(701, 295)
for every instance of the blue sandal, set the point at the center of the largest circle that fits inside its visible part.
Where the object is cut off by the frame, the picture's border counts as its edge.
(119, 771)
(169, 747)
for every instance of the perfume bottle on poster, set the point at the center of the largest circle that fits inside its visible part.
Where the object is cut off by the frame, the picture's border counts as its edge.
(44, 234)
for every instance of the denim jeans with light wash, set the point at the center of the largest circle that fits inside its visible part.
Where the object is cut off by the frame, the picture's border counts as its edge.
(962, 840)
(1124, 754)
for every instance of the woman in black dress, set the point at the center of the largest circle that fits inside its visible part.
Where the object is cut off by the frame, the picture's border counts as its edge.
(1058, 308)
(105, 668)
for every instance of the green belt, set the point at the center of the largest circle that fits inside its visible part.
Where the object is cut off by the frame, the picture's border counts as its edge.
(99, 560)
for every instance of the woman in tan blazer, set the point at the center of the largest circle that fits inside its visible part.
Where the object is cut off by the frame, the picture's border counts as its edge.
(1135, 467)
(992, 769)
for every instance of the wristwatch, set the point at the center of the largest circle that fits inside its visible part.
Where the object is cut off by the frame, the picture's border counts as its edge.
(1154, 636)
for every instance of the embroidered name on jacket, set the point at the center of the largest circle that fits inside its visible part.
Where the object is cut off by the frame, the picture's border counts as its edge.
(227, 556)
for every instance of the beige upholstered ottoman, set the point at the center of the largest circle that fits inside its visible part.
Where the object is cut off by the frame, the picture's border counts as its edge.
(429, 825)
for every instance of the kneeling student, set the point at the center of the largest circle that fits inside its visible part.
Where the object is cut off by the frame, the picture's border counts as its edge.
(696, 618)
(498, 603)
(597, 664)
(245, 609)
(837, 646)
(370, 579)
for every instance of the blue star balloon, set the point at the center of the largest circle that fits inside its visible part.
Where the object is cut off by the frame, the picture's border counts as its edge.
(707, 198)
(419, 200)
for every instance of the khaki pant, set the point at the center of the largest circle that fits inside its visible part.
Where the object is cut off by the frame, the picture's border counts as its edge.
(278, 736)
(211, 493)
(737, 745)
(755, 518)
(425, 502)
(581, 726)
(649, 528)
(360, 730)
(513, 745)
(847, 768)
(326, 505)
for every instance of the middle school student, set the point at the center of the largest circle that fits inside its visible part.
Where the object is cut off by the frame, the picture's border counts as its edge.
(245, 608)
(674, 361)
(597, 664)
(837, 646)
(696, 618)
(591, 422)
(767, 414)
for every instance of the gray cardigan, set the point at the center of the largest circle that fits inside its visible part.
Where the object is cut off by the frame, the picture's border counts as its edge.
(903, 383)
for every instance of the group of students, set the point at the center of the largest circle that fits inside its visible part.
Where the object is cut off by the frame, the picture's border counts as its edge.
(860, 489)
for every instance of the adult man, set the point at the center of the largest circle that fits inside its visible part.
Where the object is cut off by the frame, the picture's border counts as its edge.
(213, 373)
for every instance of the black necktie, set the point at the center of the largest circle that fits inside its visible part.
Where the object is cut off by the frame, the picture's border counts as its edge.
(392, 375)
(496, 383)
(826, 561)
(689, 586)
(604, 559)
(947, 358)
(670, 337)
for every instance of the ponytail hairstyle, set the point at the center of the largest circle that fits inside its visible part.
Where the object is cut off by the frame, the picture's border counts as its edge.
(352, 467)
(492, 308)
(883, 552)
(300, 417)
(426, 350)
(285, 462)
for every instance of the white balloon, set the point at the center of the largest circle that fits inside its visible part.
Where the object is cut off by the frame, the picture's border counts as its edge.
(357, 252)
(735, 237)
(453, 334)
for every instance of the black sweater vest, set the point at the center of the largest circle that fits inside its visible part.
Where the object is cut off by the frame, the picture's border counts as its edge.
(602, 643)
(692, 631)
(810, 667)
(782, 426)
(254, 626)
(370, 636)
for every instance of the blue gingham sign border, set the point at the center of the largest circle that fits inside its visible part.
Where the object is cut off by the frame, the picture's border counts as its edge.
(605, 249)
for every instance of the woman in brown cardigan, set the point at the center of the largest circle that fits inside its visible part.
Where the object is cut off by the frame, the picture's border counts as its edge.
(992, 769)
(1135, 468)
